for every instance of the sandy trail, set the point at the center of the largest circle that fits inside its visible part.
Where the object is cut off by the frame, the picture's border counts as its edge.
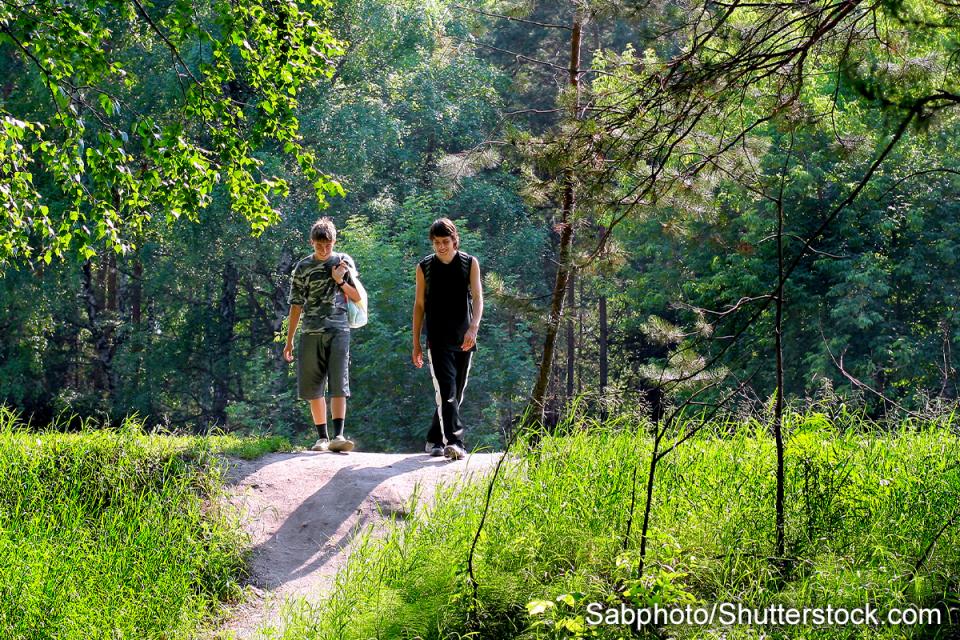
(302, 510)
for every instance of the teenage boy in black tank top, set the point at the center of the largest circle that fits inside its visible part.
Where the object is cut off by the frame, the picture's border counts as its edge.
(449, 296)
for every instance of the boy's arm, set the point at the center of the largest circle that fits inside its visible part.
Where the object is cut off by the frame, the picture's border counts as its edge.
(292, 323)
(476, 290)
(298, 297)
(346, 271)
(419, 306)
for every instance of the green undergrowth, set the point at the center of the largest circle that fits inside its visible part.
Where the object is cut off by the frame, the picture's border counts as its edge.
(115, 533)
(872, 518)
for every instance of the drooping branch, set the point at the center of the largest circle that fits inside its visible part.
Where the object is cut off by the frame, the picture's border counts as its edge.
(856, 382)
(170, 45)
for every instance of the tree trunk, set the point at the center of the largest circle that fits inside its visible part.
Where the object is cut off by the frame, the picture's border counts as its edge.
(101, 331)
(536, 406)
(580, 306)
(603, 344)
(111, 282)
(778, 408)
(280, 311)
(571, 337)
(227, 321)
(136, 292)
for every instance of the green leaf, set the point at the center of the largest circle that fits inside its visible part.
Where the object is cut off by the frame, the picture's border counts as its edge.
(537, 607)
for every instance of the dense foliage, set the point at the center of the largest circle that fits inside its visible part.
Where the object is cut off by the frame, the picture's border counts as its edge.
(115, 113)
(181, 328)
(419, 111)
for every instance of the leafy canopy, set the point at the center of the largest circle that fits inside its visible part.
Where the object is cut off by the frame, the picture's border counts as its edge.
(117, 112)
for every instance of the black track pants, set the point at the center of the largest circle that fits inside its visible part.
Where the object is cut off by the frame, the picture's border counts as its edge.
(449, 369)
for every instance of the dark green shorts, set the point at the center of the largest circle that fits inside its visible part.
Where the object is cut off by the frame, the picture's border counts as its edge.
(324, 356)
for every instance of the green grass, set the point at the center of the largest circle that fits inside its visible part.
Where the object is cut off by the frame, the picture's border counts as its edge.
(863, 507)
(115, 533)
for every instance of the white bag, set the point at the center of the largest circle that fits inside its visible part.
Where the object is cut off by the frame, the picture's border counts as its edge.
(357, 311)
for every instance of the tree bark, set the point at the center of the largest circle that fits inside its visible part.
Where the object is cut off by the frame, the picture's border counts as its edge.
(604, 328)
(226, 325)
(536, 406)
(110, 293)
(778, 408)
(571, 337)
(101, 330)
(580, 306)
(136, 292)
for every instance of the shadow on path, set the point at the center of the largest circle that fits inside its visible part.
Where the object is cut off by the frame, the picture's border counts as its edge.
(326, 520)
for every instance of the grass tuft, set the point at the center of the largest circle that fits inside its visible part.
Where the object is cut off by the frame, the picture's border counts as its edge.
(114, 533)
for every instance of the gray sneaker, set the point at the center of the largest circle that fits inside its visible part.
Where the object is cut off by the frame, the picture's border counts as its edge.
(322, 444)
(435, 450)
(454, 452)
(341, 445)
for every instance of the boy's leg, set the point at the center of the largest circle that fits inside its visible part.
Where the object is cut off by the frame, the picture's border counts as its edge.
(463, 362)
(443, 370)
(318, 409)
(435, 433)
(338, 407)
(311, 381)
(338, 411)
(339, 374)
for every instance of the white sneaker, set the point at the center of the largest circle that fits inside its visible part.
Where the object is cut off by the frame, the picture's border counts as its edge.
(341, 444)
(454, 452)
(321, 444)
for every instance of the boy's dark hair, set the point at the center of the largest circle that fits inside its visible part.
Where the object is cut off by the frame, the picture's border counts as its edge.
(323, 229)
(444, 228)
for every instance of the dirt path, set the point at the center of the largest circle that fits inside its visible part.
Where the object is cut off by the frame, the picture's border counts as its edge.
(302, 510)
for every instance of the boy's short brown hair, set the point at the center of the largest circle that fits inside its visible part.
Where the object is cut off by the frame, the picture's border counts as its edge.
(323, 229)
(444, 228)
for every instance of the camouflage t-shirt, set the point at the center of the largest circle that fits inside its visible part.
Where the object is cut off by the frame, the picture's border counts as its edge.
(324, 303)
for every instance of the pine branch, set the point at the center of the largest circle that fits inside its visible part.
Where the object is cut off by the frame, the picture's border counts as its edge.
(546, 25)
(517, 56)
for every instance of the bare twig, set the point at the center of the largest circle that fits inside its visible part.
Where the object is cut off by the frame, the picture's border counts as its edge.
(922, 560)
(838, 362)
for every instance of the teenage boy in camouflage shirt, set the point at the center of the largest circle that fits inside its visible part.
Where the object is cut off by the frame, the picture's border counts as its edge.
(322, 283)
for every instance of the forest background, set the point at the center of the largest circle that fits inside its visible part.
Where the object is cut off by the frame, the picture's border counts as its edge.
(826, 161)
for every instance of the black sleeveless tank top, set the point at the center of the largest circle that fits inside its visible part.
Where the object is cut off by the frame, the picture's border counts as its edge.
(448, 300)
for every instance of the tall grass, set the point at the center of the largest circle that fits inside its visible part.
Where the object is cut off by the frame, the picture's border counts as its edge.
(114, 533)
(865, 508)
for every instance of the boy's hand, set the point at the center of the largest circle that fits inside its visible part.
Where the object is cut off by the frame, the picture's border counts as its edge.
(339, 272)
(469, 338)
(417, 356)
(288, 353)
